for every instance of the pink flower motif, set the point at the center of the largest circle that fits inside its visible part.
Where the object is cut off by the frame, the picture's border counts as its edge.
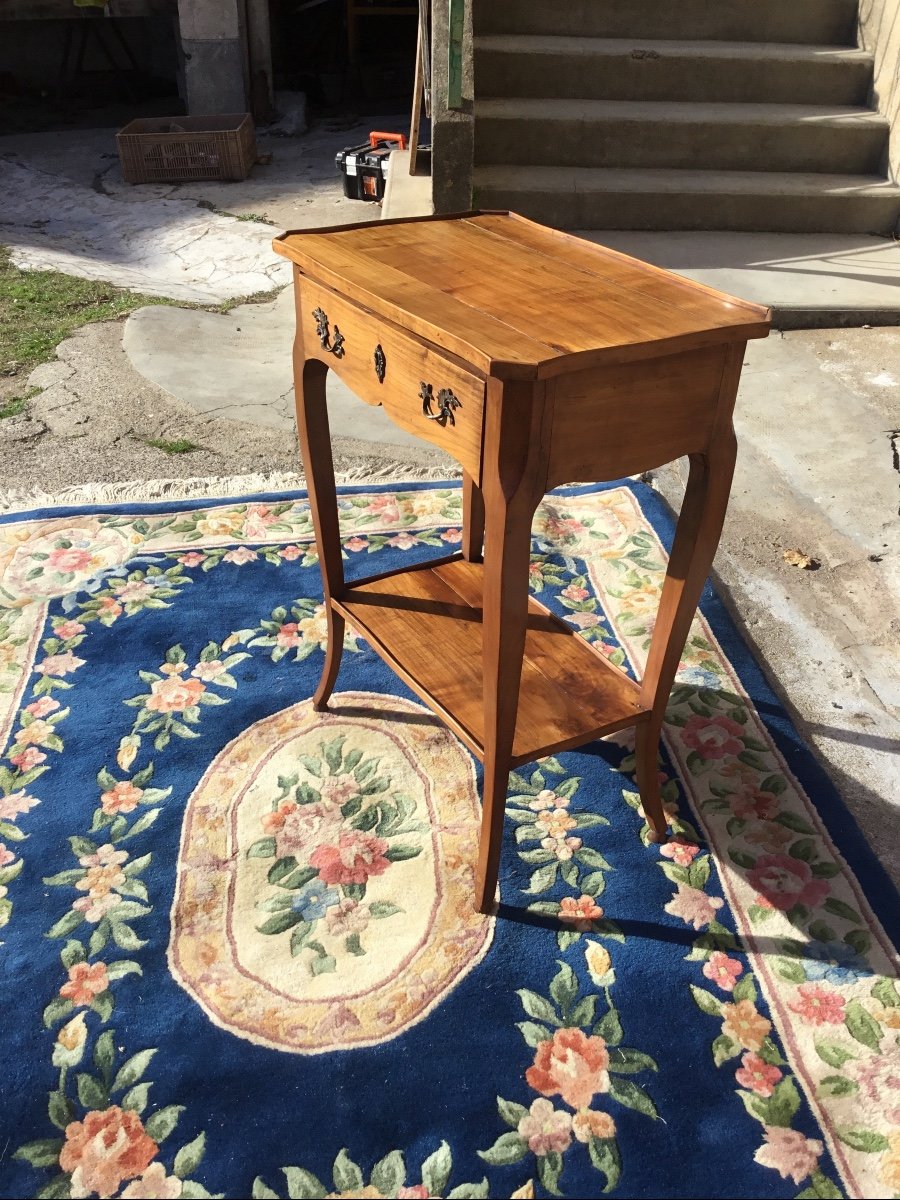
(789, 1153)
(385, 505)
(35, 733)
(68, 560)
(154, 1184)
(346, 917)
(693, 906)
(879, 1080)
(302, 827)
(403, 541)
(818, 1005)
(193, 558)
(109, 607)
(42, 707)
(288, 635)
(583, 620)
(257, 521)
(290, 553)
(785, 881)
(545, 1129)
(356, 543)
(135, 589)
(562, 848)
(69, 629)
(452, 535)
(336, 790)
(15, 804)
(680, 851)
(769, 836)
(750, 803)
(174, 694)
(722, 970)
(356, 857)
(208, 671)
(243, 554)
(58, 665)
(580, 913)
(95, 908)
(757, 1075)
(418, 1192)
(104, 856)
(547, 799)
(6, 855)
(572, 592)
(28, 758)
(565, 529)
(713, 737)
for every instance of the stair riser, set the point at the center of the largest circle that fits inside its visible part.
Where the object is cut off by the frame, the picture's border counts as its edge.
(621, 77)
(823, 22)
(848, 149)
(762, 214)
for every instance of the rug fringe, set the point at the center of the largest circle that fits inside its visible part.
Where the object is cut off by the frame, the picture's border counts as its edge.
(219, 486)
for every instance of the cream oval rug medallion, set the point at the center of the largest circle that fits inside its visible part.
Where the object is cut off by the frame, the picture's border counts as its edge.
(325, 876)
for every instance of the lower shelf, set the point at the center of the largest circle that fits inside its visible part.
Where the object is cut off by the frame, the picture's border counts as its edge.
(426, 623)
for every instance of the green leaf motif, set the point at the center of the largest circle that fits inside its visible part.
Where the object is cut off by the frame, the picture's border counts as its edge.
(42, 1153)
(609, 1027)
(861, 1026)
(783, 1103)
(833, 1053)
(606, 1159)
(388, 1174)
(537, 1006)
(549, 1169)
(131, 1071)
(187, 1160)
(91, 1092)
(706, 1001)
(632, 1096)
(837, 1085)
(261, 1191)
(508, 1148)
(303, 1185)
(436, 1170)
(163, 1121)
(564, 986)
(347, 1175)
(532, 1033)
(723, 1049)
(866, 1140)
(885, 992)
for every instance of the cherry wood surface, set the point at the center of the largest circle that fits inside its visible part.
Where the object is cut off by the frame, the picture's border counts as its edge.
(570, 362)
(518, 300)
(427, 623)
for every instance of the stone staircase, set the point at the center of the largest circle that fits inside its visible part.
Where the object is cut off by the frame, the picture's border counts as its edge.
(747, 115)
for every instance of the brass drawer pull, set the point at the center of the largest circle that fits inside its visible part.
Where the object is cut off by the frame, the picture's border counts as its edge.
(335, 347)
(380, 363)
(446, 401)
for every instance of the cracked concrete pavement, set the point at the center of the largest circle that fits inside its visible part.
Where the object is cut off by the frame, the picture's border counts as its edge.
(64, 206)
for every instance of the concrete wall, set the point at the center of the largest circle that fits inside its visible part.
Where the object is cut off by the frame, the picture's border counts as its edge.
(452, 131)
(215, 66)
(879, 33)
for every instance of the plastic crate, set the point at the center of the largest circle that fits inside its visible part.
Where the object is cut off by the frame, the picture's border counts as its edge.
(179, 149)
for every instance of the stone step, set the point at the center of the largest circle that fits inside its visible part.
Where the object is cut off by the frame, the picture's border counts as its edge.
(765, 201)
(647, 134)
(649, 69)
(829, 22)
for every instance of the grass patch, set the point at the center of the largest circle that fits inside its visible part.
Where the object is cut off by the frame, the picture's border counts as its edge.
(179, 446)
(40, 309)
(13, 408)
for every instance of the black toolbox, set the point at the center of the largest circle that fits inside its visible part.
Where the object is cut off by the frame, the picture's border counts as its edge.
(365, 167)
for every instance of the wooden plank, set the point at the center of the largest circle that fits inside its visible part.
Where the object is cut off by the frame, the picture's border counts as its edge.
(427, 624)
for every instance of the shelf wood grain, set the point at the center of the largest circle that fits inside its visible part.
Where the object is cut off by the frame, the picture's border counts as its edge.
(426, 623)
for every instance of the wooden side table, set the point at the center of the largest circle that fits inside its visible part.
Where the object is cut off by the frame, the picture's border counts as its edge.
(535, 359)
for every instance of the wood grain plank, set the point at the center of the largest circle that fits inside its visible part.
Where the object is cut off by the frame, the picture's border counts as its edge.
(428, 623)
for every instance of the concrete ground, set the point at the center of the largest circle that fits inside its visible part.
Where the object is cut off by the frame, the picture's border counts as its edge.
(818, 421)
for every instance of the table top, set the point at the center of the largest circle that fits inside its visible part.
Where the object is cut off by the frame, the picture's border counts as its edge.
(517, 299)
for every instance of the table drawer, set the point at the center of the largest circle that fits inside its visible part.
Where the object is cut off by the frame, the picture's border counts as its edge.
(423, 392)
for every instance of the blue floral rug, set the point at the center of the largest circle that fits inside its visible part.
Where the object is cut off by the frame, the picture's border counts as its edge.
(239, 950)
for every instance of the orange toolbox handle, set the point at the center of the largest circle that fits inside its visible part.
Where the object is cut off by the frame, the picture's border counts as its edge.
(399, 138)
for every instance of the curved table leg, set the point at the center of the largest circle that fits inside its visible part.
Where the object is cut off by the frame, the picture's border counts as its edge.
(315, 449)
(513, 487)
(696, 539)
